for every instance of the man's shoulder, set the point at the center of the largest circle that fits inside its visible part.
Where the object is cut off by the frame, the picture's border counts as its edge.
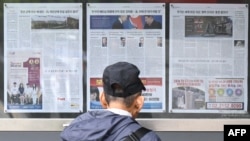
(151, 136)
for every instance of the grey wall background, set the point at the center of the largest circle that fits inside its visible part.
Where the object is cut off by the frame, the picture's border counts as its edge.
(165, 136)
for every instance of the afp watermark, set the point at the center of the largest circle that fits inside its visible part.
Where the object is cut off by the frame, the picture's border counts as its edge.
(239, 132)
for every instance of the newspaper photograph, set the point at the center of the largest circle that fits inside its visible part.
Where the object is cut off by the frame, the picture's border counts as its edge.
(128, 32)
(208, 64)
(43, 58)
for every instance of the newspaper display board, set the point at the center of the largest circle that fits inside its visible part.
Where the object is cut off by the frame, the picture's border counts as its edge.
(43, 57)
(132, 32)
(208, 58)
(183, 119)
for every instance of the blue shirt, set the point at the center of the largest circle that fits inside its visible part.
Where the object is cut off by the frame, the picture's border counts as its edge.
(103, 125)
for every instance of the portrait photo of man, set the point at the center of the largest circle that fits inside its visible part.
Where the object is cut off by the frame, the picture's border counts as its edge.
(141, 42)
(118, 24)
(159, 41)
(151, 23)
(104, 41)
(123, 41)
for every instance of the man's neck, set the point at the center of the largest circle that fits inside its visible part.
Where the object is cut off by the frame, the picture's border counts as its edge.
(120, 111)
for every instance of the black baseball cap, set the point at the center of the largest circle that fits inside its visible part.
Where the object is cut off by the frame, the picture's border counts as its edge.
(124, 74)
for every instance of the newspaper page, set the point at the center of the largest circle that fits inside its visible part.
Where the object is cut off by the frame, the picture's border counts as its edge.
(43, 57)
(131, 32)
(208, 58)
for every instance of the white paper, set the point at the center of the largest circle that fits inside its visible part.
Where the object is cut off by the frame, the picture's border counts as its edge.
(124, 45)
(43, 47)
(208, 58)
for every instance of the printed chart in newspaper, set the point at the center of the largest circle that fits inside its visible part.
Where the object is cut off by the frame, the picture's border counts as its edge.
(131, 32)
(208, 58)
(43, 57)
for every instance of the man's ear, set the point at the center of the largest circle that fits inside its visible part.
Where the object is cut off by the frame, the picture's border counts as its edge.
(137, 106)
(103, 101)
(139, 102)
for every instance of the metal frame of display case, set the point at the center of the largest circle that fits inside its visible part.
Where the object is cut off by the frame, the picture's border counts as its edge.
(154, 124)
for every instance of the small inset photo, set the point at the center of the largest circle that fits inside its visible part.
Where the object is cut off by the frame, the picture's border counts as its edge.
(94, 93)
(239, 43)
(141, 41)
(104, 41)
(159, 41)
(123, 41)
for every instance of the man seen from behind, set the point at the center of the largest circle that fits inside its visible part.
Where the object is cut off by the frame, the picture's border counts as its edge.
(122, 100)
